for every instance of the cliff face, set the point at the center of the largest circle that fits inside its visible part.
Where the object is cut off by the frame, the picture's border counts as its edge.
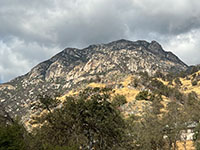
(73, 67)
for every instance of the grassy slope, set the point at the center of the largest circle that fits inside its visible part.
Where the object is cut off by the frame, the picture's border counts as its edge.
(187, 86)
(125, 90)
(130, 93)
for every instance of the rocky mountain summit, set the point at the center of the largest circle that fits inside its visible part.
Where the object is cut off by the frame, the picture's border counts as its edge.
(72, 68)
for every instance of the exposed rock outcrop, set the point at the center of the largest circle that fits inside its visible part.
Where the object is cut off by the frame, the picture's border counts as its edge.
(73, 67)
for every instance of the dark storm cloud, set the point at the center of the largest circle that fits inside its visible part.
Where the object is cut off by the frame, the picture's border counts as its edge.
(31, 31)
(62, 22)
(165, 17)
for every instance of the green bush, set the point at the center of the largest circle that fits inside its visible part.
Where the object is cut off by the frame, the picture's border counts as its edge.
(119, 100)
(178, 81)
(194, 82)
(143, 95)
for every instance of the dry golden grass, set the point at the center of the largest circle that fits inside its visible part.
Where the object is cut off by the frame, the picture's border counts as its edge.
(129, 93)
(93, 85)
(187, 86)
(164, 82)
(164, 102)
(127, 80)
(188, 144)
(32, 124)
(70, 93)
(73, 92)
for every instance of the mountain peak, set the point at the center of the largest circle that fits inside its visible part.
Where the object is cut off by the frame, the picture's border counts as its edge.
(121, 41)
(73, 68)
(155, 46)
(124, 41)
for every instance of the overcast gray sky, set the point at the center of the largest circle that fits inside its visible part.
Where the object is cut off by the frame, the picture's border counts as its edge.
(34, 30)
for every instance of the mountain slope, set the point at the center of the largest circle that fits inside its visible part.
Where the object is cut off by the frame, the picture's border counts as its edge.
(74, 68)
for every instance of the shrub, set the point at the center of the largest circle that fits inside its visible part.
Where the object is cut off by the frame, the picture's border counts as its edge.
(194, 82)
(119, 100)
(178, 81)
(143, 95)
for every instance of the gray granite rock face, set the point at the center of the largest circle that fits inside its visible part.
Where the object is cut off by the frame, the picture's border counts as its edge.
(73, 67)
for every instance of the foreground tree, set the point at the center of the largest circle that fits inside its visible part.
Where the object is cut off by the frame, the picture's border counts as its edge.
(87, 121)
(174, 124)
(192, 107)
(12, 136)
(147, 131)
